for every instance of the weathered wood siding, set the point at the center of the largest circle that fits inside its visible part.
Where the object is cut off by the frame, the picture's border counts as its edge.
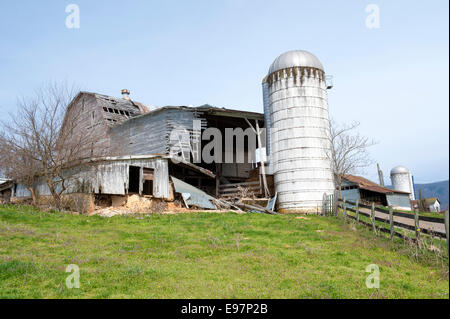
(109, 177)
(95, 114)
(150, 133)
(90, 122)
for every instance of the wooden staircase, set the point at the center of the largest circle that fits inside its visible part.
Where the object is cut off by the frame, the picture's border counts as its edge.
(239, 190)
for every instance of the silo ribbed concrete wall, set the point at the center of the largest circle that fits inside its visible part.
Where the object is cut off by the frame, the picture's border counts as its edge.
(402, 181)
(300, 144)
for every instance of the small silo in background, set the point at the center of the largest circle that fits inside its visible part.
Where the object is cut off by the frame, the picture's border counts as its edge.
(298, 129)
(401, 179)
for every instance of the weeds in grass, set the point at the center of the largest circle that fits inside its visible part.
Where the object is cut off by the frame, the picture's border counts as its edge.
(203, 255)
(428, 249)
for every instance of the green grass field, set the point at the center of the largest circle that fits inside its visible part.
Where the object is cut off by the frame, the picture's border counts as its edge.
(205, 255)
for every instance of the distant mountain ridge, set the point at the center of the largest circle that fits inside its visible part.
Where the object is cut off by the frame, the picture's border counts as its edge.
(437, 189)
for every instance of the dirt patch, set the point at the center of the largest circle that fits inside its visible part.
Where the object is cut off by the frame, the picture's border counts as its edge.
(135, 204)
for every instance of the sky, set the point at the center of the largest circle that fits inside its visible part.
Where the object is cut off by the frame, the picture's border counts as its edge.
(392, 79)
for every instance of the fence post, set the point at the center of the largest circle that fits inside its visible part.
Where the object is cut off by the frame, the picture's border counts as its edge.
(446, 226)
(416, 223)
(324, 204)
(328, 205)
(372, 217)
(345, 209)
(357, 210)
(335, 202)
(391, 221)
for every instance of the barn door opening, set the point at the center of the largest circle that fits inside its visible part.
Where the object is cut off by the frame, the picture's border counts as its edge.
(147, 188)
(133, 179)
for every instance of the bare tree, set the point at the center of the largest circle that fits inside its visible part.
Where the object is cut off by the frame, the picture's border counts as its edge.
(42, 140)
(349, 153)
(17, 165)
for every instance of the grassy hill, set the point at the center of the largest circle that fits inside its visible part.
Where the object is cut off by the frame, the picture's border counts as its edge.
(206, 255)
(437, 189)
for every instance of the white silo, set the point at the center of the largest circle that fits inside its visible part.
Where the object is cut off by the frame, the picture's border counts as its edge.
(296, 109)
(401, 179)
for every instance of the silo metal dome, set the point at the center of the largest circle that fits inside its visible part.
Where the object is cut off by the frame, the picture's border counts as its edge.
(295, 58)
(399, 170)
(298, 130)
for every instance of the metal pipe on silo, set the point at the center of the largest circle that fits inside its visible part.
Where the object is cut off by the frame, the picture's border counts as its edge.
(297, 110)
(267, 121)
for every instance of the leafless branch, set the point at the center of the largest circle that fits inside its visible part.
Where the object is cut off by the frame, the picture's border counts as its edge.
(42, 138)
(349, 150)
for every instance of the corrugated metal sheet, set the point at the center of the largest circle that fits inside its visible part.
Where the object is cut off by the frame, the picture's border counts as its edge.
(351, 194)
(399, 201)
(192, 195)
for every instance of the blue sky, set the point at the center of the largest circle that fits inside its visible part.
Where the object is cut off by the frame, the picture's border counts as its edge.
(394, 79)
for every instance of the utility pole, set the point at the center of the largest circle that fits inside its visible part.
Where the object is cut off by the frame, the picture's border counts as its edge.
(258, 132)
(380, 175)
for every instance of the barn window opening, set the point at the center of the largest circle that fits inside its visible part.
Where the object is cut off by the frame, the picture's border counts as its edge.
(133, 179)
(147, 187)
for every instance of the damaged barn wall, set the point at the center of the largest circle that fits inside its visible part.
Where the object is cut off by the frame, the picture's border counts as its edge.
(149, 134)
(107, 177)
(96, 114)
(113, 177)
(86, 111)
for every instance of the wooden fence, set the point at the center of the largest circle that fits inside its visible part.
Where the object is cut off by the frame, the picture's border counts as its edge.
(331, 208)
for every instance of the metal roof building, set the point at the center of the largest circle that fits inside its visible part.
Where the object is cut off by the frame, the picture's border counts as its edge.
(359, 188)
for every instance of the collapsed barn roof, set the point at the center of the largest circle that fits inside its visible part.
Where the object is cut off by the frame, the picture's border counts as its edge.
(208, 109)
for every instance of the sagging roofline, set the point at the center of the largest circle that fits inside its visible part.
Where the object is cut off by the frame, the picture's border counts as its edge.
(209, 110)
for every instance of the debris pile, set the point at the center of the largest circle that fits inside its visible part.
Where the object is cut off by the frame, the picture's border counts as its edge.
(188, 198)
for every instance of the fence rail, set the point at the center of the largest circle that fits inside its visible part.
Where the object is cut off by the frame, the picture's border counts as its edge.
(331, 206)
(400, 214)
(398, 224)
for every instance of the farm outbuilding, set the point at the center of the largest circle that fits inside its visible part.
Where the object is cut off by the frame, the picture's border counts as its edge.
(365, 191)
(6, 186)
(432, 204)
(140, 148)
